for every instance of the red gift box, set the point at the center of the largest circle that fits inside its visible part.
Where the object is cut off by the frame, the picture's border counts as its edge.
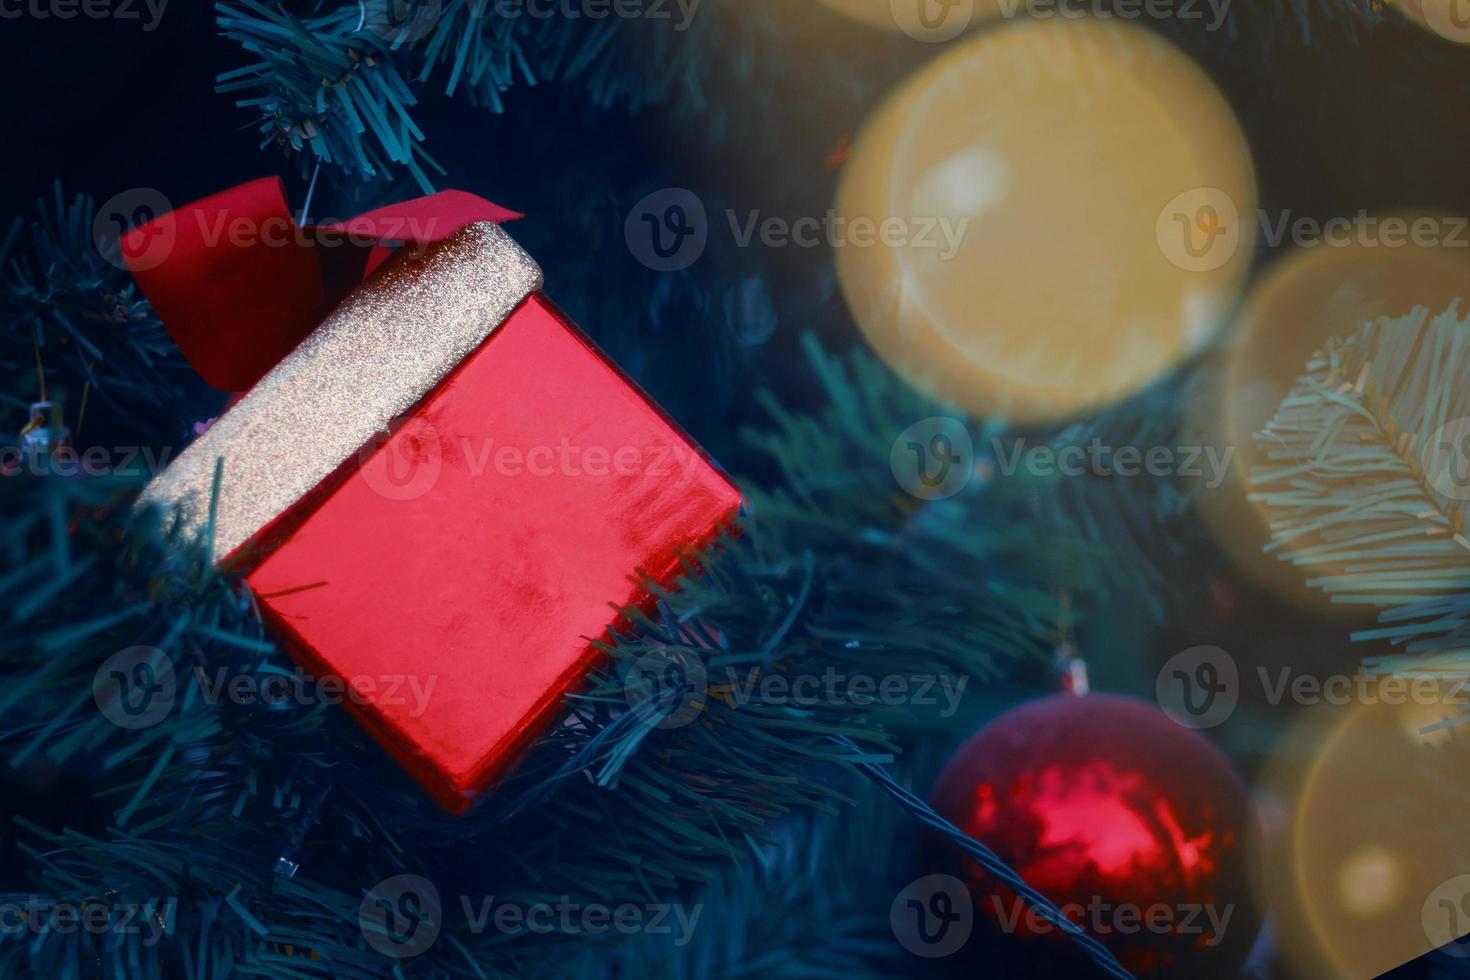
(441, 497)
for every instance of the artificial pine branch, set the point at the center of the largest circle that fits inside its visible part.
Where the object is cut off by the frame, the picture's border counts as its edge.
(1367, 492)
(335, 86)
(327, 86)
(1133, 530)
(66, 301)
(814, 905)
(835, 574)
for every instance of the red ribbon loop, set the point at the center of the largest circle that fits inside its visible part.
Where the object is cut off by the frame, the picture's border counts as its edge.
(239, 284)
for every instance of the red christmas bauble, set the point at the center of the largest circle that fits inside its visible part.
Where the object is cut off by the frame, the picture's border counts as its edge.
(1130, 823)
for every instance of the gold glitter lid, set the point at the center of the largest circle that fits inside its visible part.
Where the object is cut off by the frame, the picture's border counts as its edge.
(376, 356)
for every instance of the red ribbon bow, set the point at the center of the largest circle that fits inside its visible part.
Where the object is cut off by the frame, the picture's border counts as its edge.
(238, 283)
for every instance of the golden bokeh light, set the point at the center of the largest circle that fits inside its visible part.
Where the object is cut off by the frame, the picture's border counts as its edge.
(1314, 292)
(1378, 835)
(1450, 19)
(924, 20)
(1070, 199)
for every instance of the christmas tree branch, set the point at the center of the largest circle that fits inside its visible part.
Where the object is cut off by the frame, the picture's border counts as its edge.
(338, 86)
(70, 308)
(831, 579)
(1368, 487)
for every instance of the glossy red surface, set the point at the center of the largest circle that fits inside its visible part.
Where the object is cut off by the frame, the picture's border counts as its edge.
(1105, 805)
(456, 577)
